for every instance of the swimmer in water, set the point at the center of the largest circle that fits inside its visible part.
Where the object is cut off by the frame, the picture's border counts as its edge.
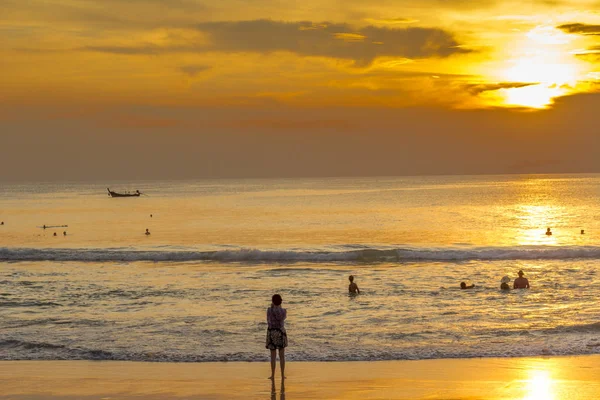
(464, 286)
(65, 233)
(582, 231)
(548, 232)
(54, 233)
(520, 282)
(504, 284)
(147, 232)
(353, 287)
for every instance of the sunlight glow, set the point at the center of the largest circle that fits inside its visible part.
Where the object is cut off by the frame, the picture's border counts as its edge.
(545, 63)
(540, 386)
(534, 219)
(535, 96)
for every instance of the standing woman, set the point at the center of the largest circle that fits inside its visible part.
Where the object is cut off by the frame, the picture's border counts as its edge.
(276, 335)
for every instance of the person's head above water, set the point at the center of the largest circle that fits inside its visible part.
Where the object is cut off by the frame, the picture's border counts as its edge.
(463, 285)
(276, 299)
(520, 273)
(351, 278)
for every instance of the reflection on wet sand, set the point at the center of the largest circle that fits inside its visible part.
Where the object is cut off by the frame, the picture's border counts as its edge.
(274, 390)
(551, 378)
(540, 386)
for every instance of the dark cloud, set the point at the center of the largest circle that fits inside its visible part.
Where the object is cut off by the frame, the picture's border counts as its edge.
(342, 41)
(330, 40)
(479, 88)
(129, 50)
(193, 70)
(581, 29)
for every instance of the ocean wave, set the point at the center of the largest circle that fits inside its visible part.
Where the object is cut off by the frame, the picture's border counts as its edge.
(366, 255)
(25, 350)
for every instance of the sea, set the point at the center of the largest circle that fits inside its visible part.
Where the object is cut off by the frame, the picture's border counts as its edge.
(197, 288)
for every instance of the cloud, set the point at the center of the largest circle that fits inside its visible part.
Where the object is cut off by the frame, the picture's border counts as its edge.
(323, 39)
(478, 88)
(391, 21)
(340, 41)
(129, 50)
(108, 13)
(580, 29)
(193, 70)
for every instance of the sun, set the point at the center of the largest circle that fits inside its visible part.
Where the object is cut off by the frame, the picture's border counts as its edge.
(548, 81)
(544, 62)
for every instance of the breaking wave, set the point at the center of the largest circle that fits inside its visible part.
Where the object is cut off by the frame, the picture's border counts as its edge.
(25, 350)
(340, 254)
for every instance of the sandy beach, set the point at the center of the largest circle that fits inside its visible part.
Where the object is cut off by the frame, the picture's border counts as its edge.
(552, 378)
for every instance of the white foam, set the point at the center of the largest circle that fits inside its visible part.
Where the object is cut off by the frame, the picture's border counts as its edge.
(313, 256)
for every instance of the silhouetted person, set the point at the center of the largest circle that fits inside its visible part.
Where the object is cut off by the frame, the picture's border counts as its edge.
(582, 231)
(520, 282)
(54, 233)
(65, 233)
(2, 223)
(276, 334)
(353, 287)
(548, 232)
(464, 286)
(150, 215)
(44, 226)
(147, 232)
(504, 286)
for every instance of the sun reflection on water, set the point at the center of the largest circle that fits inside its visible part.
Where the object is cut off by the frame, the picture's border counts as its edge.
(534, 219)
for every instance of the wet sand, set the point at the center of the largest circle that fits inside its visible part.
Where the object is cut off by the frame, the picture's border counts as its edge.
(551, 378)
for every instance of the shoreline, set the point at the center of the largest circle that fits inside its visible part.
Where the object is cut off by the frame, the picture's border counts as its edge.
(552, 377)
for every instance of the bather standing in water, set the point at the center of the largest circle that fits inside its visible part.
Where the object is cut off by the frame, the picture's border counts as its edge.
(353, 287)
(276, 334)
(520, 282)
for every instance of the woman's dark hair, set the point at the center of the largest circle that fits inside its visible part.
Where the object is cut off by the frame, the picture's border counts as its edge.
(277, 299)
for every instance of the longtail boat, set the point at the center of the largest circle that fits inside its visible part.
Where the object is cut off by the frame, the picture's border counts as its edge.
(115, 194)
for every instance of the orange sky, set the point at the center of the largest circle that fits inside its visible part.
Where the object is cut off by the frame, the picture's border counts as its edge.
(228, 88)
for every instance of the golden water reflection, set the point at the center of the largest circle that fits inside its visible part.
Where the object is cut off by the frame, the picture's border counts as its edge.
(534, 220)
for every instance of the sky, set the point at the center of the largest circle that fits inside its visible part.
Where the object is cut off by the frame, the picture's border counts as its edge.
(182, 89)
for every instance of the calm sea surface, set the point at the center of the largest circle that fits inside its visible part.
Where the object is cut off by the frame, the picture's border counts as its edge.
(197, 288)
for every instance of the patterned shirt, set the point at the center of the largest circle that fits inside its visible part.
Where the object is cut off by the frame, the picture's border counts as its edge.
(275, 317)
